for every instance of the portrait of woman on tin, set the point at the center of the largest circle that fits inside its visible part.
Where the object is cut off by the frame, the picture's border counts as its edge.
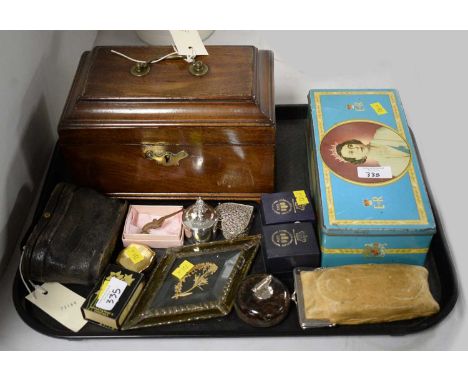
(366, 144)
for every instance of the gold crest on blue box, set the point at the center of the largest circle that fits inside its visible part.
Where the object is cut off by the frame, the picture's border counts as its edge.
(366, 180)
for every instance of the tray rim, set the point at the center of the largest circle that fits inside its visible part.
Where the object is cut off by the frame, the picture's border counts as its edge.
(283, 112)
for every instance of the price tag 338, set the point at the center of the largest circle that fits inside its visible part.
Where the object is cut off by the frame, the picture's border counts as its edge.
(384, 172)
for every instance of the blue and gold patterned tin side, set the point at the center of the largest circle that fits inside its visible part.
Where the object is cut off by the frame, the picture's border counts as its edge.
(407, 249)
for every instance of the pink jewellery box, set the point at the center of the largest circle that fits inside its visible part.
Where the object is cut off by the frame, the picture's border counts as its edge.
(169, 235)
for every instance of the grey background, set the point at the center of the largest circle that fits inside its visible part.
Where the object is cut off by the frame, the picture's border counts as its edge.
(428, 69)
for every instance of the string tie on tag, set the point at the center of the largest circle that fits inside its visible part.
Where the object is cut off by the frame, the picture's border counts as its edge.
(35, 286)
(174, 54)
(190, 57)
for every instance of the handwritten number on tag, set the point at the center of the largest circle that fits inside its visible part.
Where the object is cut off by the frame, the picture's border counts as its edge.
(112, 294)
(115, 293)
(60, 303)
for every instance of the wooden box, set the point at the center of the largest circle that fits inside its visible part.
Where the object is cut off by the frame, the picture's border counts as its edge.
(170, 134)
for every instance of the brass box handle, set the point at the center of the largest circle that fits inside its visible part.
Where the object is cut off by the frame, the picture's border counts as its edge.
(142, 68)
(163, 157)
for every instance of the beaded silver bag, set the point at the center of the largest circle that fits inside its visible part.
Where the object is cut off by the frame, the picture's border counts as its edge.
(234, 219)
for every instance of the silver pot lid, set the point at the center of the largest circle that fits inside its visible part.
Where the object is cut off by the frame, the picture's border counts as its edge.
(199, 215)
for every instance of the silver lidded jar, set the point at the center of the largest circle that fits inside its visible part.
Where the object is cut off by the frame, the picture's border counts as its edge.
(200, 221)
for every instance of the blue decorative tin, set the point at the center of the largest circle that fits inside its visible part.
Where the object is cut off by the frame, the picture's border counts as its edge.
(370, 197)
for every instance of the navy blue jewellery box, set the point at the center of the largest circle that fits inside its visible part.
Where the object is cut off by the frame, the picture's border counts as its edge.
(287, 207)
(287, 246)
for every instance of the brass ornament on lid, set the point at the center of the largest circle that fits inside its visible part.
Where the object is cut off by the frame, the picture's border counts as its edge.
(140, 69)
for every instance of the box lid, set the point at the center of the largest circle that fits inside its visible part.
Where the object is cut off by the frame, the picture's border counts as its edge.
(289, 240)
(366, 175)
(234, 100)
(284, 207)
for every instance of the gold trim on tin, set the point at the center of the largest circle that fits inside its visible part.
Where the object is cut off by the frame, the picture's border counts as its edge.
(326, 171)
(360, 251)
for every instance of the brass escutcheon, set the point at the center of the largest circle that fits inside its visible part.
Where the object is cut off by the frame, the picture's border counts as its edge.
(163, 157)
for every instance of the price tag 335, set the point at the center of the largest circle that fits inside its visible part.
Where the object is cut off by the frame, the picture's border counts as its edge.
(112, 294)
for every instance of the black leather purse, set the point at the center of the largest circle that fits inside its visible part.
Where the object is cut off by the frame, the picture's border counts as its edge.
(74, 238)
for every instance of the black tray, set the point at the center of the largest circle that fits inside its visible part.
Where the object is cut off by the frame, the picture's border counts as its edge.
(291, 168)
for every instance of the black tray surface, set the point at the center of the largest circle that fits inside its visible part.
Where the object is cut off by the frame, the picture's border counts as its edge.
(291, 174)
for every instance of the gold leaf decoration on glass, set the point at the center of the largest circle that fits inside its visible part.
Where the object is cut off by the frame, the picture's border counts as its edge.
(200, 274)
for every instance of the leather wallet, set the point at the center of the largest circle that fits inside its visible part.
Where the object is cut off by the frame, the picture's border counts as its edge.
(74, 238)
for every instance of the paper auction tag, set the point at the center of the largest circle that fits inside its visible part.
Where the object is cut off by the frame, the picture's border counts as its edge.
(184, 268)
(378, 108)
(189, 43)
(384, 172)
(61, 304)
(301, 197)
(112, 294)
